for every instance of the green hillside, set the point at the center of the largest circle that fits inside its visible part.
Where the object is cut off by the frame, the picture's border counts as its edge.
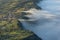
(10, 12)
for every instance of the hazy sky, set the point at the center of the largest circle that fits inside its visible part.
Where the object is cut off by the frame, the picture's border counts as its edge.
(50, 5)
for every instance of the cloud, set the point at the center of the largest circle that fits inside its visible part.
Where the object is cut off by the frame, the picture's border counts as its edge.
(45, 24)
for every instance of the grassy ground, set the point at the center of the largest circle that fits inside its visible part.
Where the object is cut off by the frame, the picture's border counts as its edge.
(11, 31)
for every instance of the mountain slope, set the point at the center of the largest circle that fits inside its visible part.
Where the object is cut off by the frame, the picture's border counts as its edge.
(10, 11)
